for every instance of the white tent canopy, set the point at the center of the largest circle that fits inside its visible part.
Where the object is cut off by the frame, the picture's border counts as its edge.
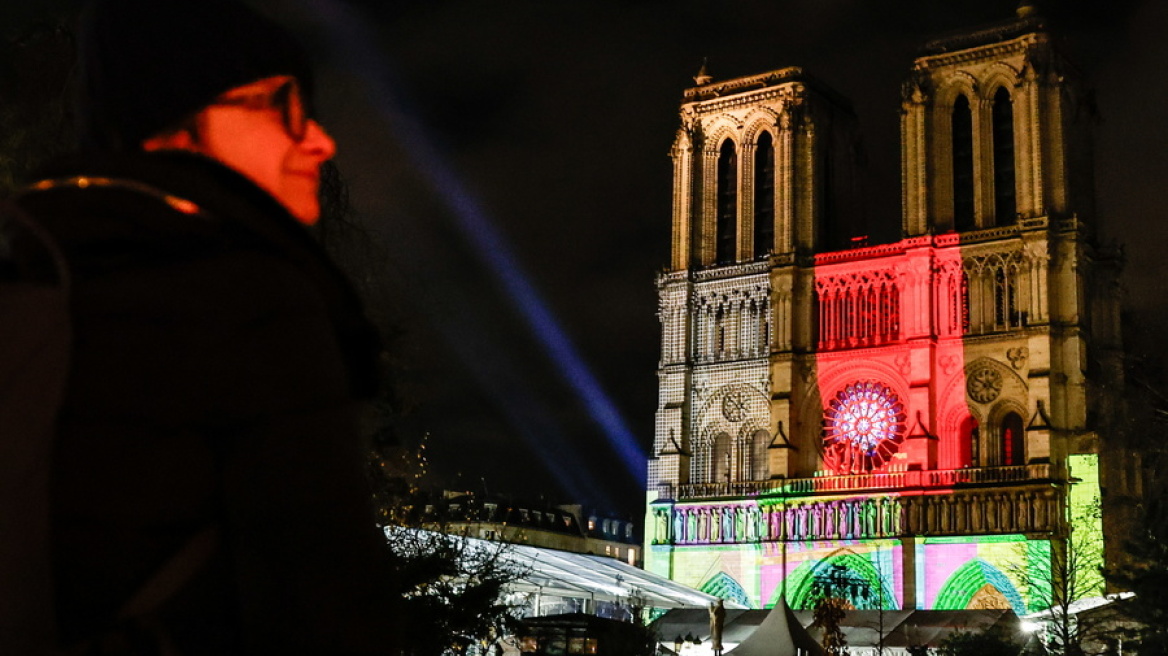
(600, 578)
(774, 632)
(779, 633)
(551, 572)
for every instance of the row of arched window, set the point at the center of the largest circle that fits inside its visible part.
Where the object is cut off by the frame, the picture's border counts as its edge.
(964, 184)
(858, 315)
(981, 297)
(1000, 445)
(984, 297)
(1002, 136)
(725, 460)
(726, 238)
(732, 328)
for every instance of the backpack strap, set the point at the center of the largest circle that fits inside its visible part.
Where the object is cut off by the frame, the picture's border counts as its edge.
(34, 365)
(173, 575)
(137, 621)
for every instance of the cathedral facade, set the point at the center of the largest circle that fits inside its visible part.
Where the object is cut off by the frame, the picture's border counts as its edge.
(926, 417)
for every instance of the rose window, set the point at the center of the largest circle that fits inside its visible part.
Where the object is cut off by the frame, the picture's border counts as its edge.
(863, 427)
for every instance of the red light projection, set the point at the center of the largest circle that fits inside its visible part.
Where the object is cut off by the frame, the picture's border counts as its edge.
(890, 360)
(863, 427)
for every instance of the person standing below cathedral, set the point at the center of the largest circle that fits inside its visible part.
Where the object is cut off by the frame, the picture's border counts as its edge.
(208, 493)
(717, 624)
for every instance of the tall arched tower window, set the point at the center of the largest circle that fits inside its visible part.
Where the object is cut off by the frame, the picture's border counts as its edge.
(764, 195)
(968, 446)
(1005, 299)
(963, 218)
(1005, 207)
(720, 459)
(1013, 444)
(727, 203)
(759, 470)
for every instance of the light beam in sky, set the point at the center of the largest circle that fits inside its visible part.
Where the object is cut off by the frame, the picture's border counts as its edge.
(356, 46)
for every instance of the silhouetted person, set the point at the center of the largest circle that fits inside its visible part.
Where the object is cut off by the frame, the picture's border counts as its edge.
(717, 623)
(208, 486)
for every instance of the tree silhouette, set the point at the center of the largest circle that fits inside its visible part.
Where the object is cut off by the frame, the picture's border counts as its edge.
(1070, 570)
(993, 642)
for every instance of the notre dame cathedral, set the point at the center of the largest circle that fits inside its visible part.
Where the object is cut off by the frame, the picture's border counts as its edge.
(925, 417)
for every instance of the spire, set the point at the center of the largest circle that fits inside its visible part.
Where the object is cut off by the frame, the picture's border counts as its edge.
(703, 76)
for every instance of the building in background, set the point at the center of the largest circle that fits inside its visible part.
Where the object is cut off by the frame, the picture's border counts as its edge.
(565, 527)
(929, 415)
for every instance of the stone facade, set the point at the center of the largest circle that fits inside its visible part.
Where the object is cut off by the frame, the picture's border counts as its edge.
(913, 411)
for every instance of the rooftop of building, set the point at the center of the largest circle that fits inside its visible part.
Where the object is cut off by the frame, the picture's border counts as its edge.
(567, 519)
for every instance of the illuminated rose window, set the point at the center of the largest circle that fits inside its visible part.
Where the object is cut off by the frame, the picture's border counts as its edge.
(863, 426)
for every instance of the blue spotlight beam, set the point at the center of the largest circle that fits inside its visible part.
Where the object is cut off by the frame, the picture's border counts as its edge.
(352, 40)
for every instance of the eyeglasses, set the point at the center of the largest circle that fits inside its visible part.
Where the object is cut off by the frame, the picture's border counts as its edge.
(285, 98)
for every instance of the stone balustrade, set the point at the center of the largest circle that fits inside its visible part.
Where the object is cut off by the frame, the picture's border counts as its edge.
(1026, 509)
(883, 481)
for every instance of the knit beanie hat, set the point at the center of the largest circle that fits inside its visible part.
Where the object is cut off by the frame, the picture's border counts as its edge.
(148, 65)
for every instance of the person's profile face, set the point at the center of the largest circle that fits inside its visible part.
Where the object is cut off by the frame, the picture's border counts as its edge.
(261, 130)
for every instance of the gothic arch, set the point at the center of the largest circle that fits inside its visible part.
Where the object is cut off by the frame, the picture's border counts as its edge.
(953, 427)
(969, 579)
(737, 411)
(961, 83)
(1000, 75)
(714, 413)
(990, 90)
(723, 586)
(800, 583)
(955, 400)
(758, 199)
(952, 296)
(1006, 407)
(730, 322)
(955, 404)
(719, 132)
(832, 376)
(993, 436)
(727, 186)
(1003, 152)
(709, 451)
(762, 119)
(758, 441)
(948, 266)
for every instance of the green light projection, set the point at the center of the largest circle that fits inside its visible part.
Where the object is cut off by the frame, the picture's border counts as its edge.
(723, 585)
(801, 583)
(971, 580)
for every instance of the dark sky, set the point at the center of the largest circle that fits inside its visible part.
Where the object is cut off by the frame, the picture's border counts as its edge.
(548, 122)
(557, 117)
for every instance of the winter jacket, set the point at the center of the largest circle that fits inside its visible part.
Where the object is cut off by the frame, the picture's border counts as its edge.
(217, 375)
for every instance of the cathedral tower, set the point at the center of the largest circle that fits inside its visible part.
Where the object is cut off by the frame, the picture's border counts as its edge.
(925, 415)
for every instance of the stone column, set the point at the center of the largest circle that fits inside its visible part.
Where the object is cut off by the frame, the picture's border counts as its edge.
(908, 569)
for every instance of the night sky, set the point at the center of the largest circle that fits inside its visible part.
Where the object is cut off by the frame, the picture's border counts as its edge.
(557, 117)
(538, 133)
